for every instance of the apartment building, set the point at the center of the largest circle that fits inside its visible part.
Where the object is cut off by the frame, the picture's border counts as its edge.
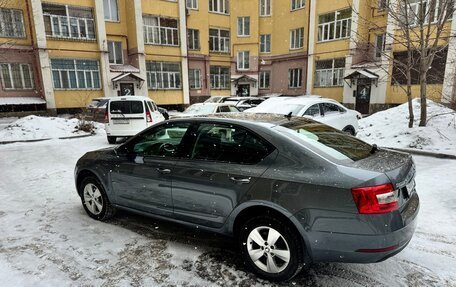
(59, 54)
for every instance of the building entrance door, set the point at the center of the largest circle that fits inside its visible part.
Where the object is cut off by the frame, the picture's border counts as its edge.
(127, 89)
(243, 90)
(363, 93)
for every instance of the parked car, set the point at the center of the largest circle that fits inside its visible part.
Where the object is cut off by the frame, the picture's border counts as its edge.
(243, 103)
(327, 111)
(215, 99)
(97, 108)
(207, 108)
(127, 116)
(290, 190)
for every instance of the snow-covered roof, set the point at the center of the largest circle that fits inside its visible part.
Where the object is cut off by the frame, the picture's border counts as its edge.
(5, 101)
(364, 73)
(123, 69)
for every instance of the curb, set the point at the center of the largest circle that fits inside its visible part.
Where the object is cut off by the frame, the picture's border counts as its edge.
(425, 153)
(46, 139)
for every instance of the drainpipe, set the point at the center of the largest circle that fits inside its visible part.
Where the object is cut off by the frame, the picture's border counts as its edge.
(310, 46)
(184, 50)
(36, 71)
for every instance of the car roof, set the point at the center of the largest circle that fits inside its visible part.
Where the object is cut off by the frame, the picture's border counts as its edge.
(126, 98)
(212, 104)
(304, 100)
(242, 98)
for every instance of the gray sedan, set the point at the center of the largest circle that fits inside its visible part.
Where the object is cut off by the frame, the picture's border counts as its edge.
(289, 190)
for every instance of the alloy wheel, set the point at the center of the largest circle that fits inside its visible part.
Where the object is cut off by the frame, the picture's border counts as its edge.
(93, 199)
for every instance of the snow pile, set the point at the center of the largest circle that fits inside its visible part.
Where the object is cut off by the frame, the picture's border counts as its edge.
(390, 128)
(34, 128)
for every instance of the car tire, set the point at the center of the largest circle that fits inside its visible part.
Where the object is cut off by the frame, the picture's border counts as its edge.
(94, 199)
(260, 257)
(112, 140)
(349, 130)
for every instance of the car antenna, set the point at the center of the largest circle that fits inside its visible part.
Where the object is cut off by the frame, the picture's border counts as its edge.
(289, 115)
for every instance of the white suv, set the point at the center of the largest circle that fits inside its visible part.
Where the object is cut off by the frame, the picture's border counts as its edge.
(324, 110)
(127, 116)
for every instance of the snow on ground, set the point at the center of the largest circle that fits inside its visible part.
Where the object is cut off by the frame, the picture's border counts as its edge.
(35, 127)
(389, 128)
(46, 239)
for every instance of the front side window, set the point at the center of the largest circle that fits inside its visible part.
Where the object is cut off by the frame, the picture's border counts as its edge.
(115, 52)
(330, 73)
(334, 25)
(297, 4)
(265, 78)
(243, 26)
(220, 77)
(64, 21)
(231, 144)
(192, 4)
(110, 10)
(243, 60)
(295, 78)
(328, 109)
(11, 23)
(265, 43)
(265, 8)
(160, 31)
(313, 111)
(163, 75)
(163, 141)
(75, 74)
(16, 76)
(297, 38)
(219, 40)
(219, 6)
(193, 39)
(194, 78)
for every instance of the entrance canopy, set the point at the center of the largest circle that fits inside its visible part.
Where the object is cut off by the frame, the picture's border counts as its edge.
(362, 74)
(131, 77)
(244, 78)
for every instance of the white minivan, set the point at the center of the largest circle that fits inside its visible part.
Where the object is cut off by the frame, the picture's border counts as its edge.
(127, 116)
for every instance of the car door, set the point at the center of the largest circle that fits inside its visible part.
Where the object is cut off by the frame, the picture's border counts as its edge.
(313, 112)
(224, 163)
(332, 115)
(142, 177)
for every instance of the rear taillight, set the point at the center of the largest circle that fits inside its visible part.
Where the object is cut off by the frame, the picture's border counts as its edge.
(106, 119)
(148, 117)
(375, 199)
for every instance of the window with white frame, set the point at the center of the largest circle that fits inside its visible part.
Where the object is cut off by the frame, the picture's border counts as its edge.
(160, 31)
(16, 76)
(417, 8)
(295, 78)
(265, 43)
(11, 23)
(380, 45)
(220, 77)
(297, 38)
(75, 74)
(163, 75)
(265, 79)
(219, 6)
(115, 52)
(243, 60)
(243, 26)
(330, 73)
(334, 25)
(193, 39)
(110, 10)
(192, 4)
(64, 21)
(219, 40)
(194, 77)
(265, 8)
(297, 4)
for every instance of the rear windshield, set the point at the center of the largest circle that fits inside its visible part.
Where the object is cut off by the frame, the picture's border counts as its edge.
(324, 139)
(126, 107)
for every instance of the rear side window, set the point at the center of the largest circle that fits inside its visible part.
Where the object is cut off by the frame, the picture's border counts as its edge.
(126, 107)
(230, 144)
(329, 108)
(224, 109)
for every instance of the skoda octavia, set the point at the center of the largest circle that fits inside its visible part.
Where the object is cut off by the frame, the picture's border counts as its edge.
(289, 190)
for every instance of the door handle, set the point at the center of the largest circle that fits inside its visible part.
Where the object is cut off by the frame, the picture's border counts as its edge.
(240, 180)
(163, 170)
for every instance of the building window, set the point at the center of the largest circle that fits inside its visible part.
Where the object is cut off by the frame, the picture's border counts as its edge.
(160, 31)
(243, 26)
(194, 78)
(380, 45)
(163, 75)
(334, 25)
(115, 52)
(294, 78)
(193, 39)
(297, 38)
(75, 74)
(220, 77)
(110, 10)
(16, 76)
(330, 73)
(297, 4)
(11, 23)
(219, 6)
(265, 7)
(63, 21)
(243, 60)
(192, 4)
(416, 8)
(265, 78)
(219, 40)
(265, 43)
